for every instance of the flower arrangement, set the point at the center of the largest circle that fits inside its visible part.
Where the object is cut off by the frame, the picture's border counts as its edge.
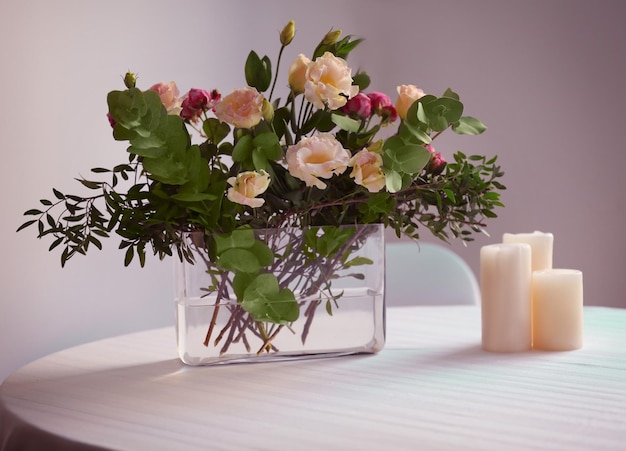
(314, 158)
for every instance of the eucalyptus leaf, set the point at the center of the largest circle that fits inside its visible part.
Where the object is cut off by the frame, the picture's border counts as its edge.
(259, 160)
(269, 145)
(263, 253)
(450, 93)
(168, 171)
(442, 112)
(238, 260)
(405, 158)
(393, 181)
(414, 133)
(241, 281)
(468, 125)
(238, 238)
(265, 301)
(346, 123)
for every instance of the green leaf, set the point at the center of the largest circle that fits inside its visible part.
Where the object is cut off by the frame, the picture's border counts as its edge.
(241, 281)
(393, 181)
(442, 112)
(238, 238)
(55, 243)
(26, 224)
(357, 261)
(90, 185)
(415, 114)
(215, 130)
(263, 253)
(450, 194)
(127, 107)
(265, 301)
(258, 71)
(450, 93)
(238, 260)
(128, 257)
(468, 125)
(243, 149)
(269, 145)
(166, 170)
(414, 134)
(259, 160)
(404, 158)
(193, 197)
(362, 80)
(198, 176)
(346, 123)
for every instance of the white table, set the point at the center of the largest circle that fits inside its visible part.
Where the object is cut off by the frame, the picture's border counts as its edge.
(431, 388)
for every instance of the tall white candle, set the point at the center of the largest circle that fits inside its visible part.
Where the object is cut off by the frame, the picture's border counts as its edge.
(557, 309)
(541, 245)
(505, 276)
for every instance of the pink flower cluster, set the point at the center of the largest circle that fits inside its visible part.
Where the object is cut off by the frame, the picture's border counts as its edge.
(437, 162)
(198, 101)
(314, 158)
(363, 106)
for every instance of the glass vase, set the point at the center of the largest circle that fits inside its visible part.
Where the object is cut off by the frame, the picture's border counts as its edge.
(329, 300)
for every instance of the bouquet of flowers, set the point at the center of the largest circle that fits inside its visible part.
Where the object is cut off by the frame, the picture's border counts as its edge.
(314, 158)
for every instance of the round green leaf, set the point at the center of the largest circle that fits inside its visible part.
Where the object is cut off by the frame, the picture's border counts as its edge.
(265, 301)
(468, 125)
(238, 260)
(263, 253)
(239, 238)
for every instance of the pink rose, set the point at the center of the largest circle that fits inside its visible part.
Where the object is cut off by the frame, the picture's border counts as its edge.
(360, 105)
(329, 82)
(437, 162)
(379, 101)
(367, 170)
(320, 156)
(196, 102)
(168, 92)
(382, 106)
(389, 113)
(297, 73)
(246, 186)
(407, 95)
(242, 108)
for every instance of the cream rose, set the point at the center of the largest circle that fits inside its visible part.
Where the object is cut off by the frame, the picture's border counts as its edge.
(246, 186)
(242, 108)
(169, 94)
(367, 170)
(320, 156)
(329, 82)
(407, 94)
(297, 73)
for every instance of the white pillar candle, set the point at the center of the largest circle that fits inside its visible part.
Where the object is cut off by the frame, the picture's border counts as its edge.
(505, 276)
(541, 245)
(557, 309)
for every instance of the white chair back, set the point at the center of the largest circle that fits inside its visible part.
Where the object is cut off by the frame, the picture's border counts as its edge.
(427, 274)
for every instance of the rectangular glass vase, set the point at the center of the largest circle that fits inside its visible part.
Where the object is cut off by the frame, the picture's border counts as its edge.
(338, 287)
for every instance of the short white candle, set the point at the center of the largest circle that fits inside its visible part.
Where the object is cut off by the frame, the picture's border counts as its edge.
(505, 276)
(540, 243)
(557, 297)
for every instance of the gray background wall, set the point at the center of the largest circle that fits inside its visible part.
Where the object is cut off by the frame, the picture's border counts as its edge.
(546, 76)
